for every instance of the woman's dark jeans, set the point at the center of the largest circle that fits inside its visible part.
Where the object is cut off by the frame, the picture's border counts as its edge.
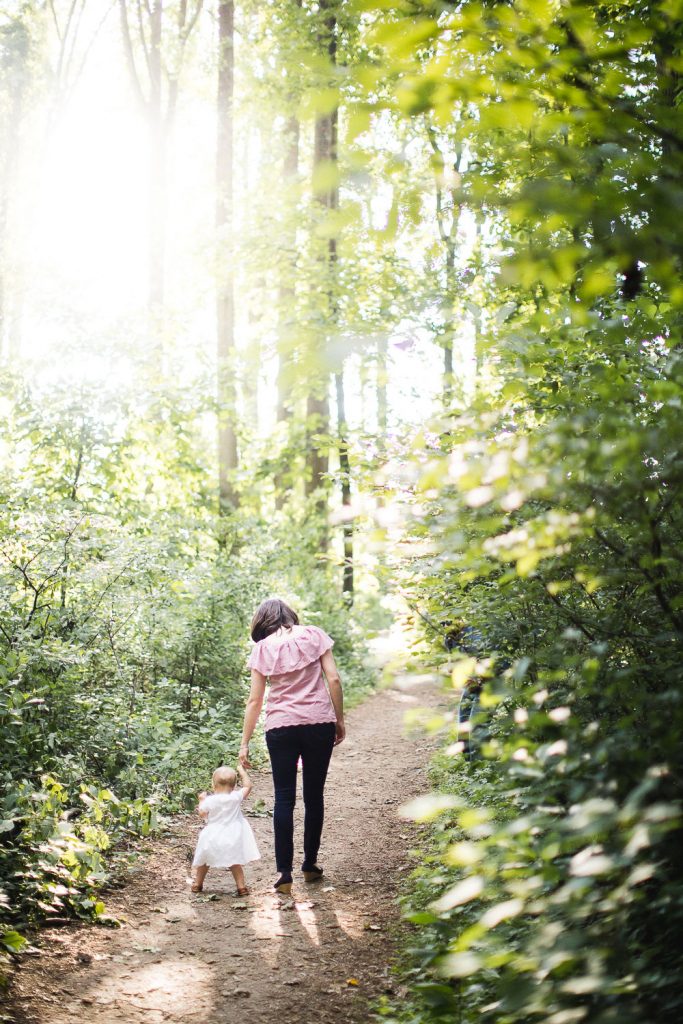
(313, 744)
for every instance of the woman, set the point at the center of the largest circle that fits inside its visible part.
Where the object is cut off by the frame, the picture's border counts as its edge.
(304, 719)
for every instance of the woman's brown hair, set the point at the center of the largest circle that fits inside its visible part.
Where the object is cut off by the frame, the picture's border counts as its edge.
(270, 616)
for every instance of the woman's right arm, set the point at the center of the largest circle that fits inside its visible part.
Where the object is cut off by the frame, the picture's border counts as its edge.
(251, 713)
(331, 671)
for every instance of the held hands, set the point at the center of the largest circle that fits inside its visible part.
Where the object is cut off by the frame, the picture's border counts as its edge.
(340, 732)
(244, 756)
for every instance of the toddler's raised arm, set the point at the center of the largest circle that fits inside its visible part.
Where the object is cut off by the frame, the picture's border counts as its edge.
(247, 784)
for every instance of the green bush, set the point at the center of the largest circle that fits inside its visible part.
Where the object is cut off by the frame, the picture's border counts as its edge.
(549, 514)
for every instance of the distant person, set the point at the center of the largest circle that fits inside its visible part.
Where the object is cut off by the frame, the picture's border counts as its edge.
(227, 840)
(472, 727)
(304, 719)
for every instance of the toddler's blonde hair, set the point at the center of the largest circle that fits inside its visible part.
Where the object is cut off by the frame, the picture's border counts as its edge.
(224, 778)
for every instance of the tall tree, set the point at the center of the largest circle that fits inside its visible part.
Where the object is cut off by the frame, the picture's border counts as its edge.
(326, 192)
(60, 46)
(74, 38)
(14, 62)
(448, 213)
(382, 402)
(317, 405)
(290, 171)
(286, 291)
(345, 483)
(225, 296)
(155, 67)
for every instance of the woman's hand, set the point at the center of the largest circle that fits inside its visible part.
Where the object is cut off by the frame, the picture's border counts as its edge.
(251, 714)
(340, 732)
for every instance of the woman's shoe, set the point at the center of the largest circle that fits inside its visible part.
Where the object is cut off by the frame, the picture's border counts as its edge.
(313, 874)
(283, 886)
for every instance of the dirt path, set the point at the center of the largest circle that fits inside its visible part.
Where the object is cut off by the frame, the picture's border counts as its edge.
(322, 955)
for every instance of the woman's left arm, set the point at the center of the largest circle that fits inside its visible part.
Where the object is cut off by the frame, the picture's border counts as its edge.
(331, 671)
(251, 713)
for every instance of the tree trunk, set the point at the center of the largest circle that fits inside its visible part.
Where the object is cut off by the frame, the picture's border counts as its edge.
(477, 318)
(449, 326)
(286, 291)
(382, 378)
(317, 410)
(345, 480)
(225, 299)
(448, 211)
(290, 170)
(143, 32)
(381, 398)
(157, 169)
(254, 299)
(18, 71)
(324, 152)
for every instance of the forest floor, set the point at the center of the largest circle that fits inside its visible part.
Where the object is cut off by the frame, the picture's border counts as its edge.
(323, 955)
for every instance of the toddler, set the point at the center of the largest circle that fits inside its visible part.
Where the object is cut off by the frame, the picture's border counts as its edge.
(227, 840)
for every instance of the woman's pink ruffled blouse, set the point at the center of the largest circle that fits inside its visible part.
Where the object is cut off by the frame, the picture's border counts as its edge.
(291, 661)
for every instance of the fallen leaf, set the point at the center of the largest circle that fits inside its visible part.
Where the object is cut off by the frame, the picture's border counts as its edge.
(352, 981)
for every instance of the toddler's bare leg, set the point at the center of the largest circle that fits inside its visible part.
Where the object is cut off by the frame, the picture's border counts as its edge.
(199, 876)
(238, 874)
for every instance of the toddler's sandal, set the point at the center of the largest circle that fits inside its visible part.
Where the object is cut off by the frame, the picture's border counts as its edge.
(197, 888)
(242, 892)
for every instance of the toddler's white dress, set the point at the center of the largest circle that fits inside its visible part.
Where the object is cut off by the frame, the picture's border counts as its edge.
(227, 838)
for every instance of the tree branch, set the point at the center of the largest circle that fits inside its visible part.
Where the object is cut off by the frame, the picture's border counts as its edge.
(130, 55)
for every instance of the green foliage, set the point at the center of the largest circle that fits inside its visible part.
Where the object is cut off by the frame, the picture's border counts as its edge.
(549, 512)
(125, 608)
